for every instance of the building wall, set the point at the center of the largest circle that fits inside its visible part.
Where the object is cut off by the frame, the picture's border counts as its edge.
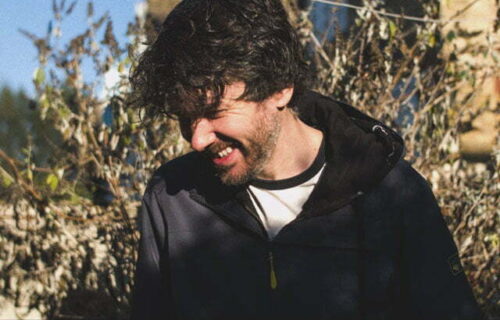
(474, 43)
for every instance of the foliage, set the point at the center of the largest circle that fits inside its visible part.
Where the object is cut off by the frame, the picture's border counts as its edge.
(21, 127)
(67, 231)
(68, 228)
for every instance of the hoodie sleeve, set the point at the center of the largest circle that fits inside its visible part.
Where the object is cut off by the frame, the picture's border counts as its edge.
(434, 283)
(151, 296)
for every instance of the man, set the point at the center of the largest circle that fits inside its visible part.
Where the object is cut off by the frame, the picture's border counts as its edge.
(292, 205)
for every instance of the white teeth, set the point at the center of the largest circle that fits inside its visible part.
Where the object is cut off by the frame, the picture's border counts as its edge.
(225, 152)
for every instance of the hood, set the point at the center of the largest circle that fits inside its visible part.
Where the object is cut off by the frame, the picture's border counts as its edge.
(360, 151)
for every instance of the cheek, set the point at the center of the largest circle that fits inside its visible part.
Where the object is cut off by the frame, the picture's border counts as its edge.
(234, 129)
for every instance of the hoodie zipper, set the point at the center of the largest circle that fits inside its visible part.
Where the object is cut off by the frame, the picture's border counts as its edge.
(270, 259)
(272, 272)
(273, 278)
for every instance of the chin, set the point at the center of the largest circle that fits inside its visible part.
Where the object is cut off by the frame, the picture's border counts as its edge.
(230, 178)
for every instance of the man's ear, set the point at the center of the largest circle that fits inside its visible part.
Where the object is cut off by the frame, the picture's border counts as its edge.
(281, 98)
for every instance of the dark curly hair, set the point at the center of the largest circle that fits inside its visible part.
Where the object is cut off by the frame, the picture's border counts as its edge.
(205, 45)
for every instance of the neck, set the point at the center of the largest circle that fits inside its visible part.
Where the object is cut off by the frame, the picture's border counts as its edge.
(296, 148)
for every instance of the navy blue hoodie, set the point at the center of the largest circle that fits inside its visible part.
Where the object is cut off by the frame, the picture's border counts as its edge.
(370, 242)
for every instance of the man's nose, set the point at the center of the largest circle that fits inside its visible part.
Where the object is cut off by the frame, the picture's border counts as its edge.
(203, 134)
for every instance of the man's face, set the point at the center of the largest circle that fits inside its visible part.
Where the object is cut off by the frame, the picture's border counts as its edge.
(239, 139)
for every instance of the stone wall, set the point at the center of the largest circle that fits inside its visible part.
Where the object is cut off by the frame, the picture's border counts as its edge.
(475, 44)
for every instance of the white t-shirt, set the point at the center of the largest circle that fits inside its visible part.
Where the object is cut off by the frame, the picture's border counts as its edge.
(279, 202)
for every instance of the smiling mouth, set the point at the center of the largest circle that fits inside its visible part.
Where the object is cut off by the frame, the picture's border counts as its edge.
(223, 149)
(224, 153)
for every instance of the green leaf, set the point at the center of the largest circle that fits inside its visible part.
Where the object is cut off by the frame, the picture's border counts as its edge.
(29, 174)
(39, 76)
(126, 140)
(44, 102)
(127, 61)
(392, 29)
(52, 181)
(121, 67)
(451, 35)
(494, 239)
(432, 40)
(76, 199)
(63, 111)
(6, 180)
(82, 191)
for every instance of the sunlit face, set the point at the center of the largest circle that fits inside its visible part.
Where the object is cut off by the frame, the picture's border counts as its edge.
(239, 139)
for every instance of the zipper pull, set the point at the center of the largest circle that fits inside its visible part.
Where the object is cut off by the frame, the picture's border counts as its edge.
(274, 279)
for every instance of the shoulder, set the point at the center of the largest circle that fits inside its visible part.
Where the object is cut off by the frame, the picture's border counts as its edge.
(401, 191)
(177, 174)
(405, 180)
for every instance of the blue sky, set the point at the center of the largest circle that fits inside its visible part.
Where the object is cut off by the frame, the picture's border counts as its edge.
(18, 55)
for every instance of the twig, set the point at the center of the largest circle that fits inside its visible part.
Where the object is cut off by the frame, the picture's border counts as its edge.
(469, 212)
(400, 16)
(322, 52)
(27, 188)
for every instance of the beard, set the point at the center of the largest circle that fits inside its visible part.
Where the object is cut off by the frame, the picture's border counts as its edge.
(256, 153)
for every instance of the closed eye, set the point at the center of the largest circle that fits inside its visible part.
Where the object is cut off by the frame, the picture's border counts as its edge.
(216, 114)
(186, 123)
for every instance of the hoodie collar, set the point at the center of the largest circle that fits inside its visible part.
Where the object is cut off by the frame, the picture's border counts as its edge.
(360, 151)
